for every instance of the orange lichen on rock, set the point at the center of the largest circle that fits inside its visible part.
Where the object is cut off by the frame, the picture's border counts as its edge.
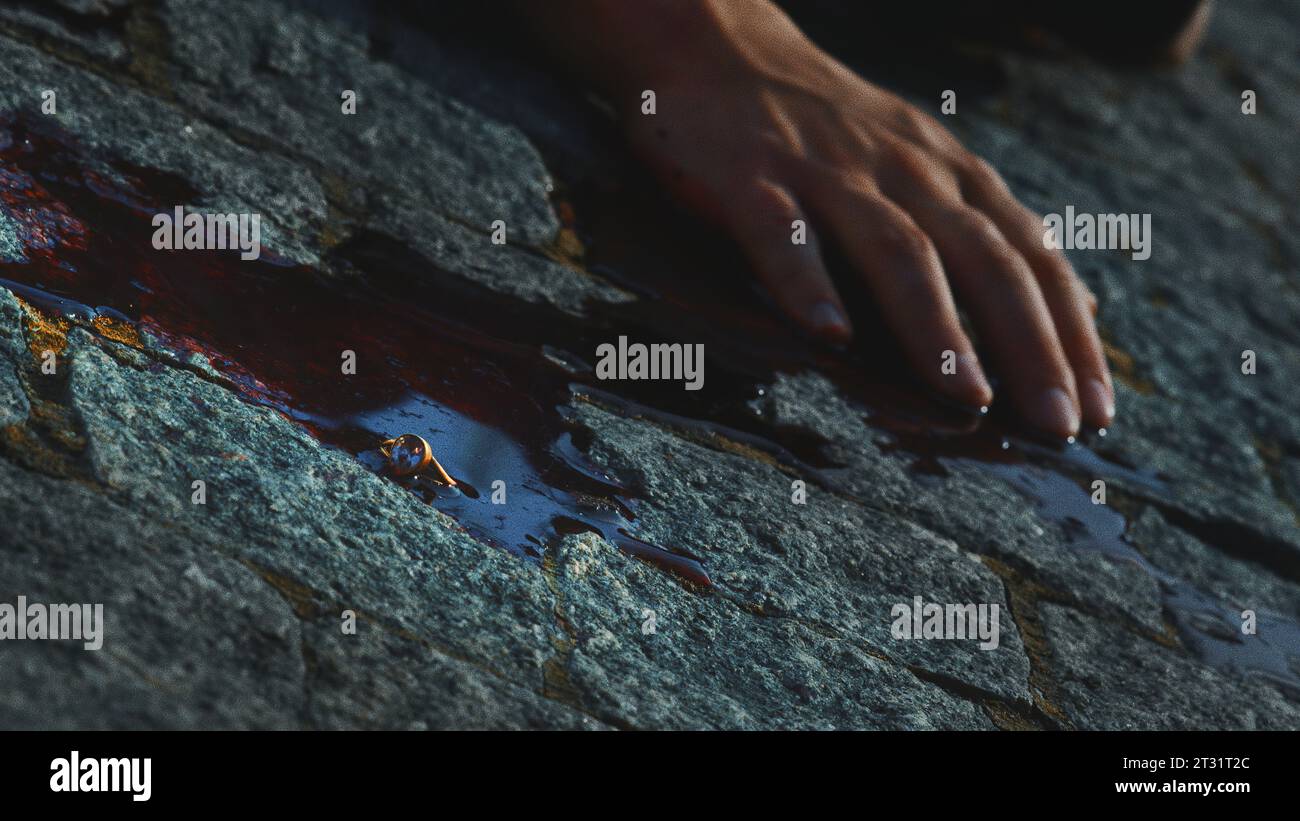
(117, 331)
(566, 247)
(45, 333)
(1125, 369)
(50, 333)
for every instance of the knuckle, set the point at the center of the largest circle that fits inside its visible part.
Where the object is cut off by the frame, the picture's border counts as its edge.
(1054, 271)
(915, 123)
(910, 117)
(982, 173)
(922, 129)
(983, 232)
(904, 238)
(775, 202)
(780, 148)
(1003, 264)
(910, 161)
(861, 187)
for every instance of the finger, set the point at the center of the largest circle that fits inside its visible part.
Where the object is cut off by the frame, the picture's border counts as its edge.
(1072, 305)
(1008, 306)
(779, 243)
(903, 272)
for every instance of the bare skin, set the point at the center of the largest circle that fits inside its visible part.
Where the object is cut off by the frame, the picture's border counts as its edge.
(756, 127)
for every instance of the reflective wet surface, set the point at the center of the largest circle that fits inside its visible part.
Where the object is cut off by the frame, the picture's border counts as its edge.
(486, 380)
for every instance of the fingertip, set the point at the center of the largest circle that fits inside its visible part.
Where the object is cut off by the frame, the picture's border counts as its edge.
(828, 320)
(1053, 412)
(968, 384)
(1098, 403)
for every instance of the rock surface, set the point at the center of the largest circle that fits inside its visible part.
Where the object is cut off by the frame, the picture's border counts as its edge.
(231, 613)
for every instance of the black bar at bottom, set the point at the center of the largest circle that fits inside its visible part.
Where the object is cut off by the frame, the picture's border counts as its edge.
(325, 772)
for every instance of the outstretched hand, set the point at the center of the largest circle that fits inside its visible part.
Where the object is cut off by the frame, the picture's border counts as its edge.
(756, 128)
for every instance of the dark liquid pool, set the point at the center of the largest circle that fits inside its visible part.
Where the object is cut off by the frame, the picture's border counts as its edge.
(487, 380)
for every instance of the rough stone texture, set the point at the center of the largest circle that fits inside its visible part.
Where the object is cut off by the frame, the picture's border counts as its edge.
(193, 639)
(11, 246)
(270, 486)
(229, 614)
(261, 129)
(712, 663)
(964, 505)
(1108, 682)
(381, 680)
(468, 168)
(830, 563)
(14, 406)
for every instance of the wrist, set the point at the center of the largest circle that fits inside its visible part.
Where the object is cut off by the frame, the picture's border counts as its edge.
(630, 46)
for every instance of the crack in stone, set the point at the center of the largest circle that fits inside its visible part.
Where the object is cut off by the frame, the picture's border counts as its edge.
(556, 684)
(1237, 540)
(1022, 600)
(309, 604)
(305, 602)
(148, 72)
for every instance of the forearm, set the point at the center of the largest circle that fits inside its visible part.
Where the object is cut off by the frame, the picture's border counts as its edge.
(624, 45)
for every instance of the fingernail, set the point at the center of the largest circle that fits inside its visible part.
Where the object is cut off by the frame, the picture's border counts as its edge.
(1098, 402)
(826, 318)
(1054, 413)
(970, 383)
